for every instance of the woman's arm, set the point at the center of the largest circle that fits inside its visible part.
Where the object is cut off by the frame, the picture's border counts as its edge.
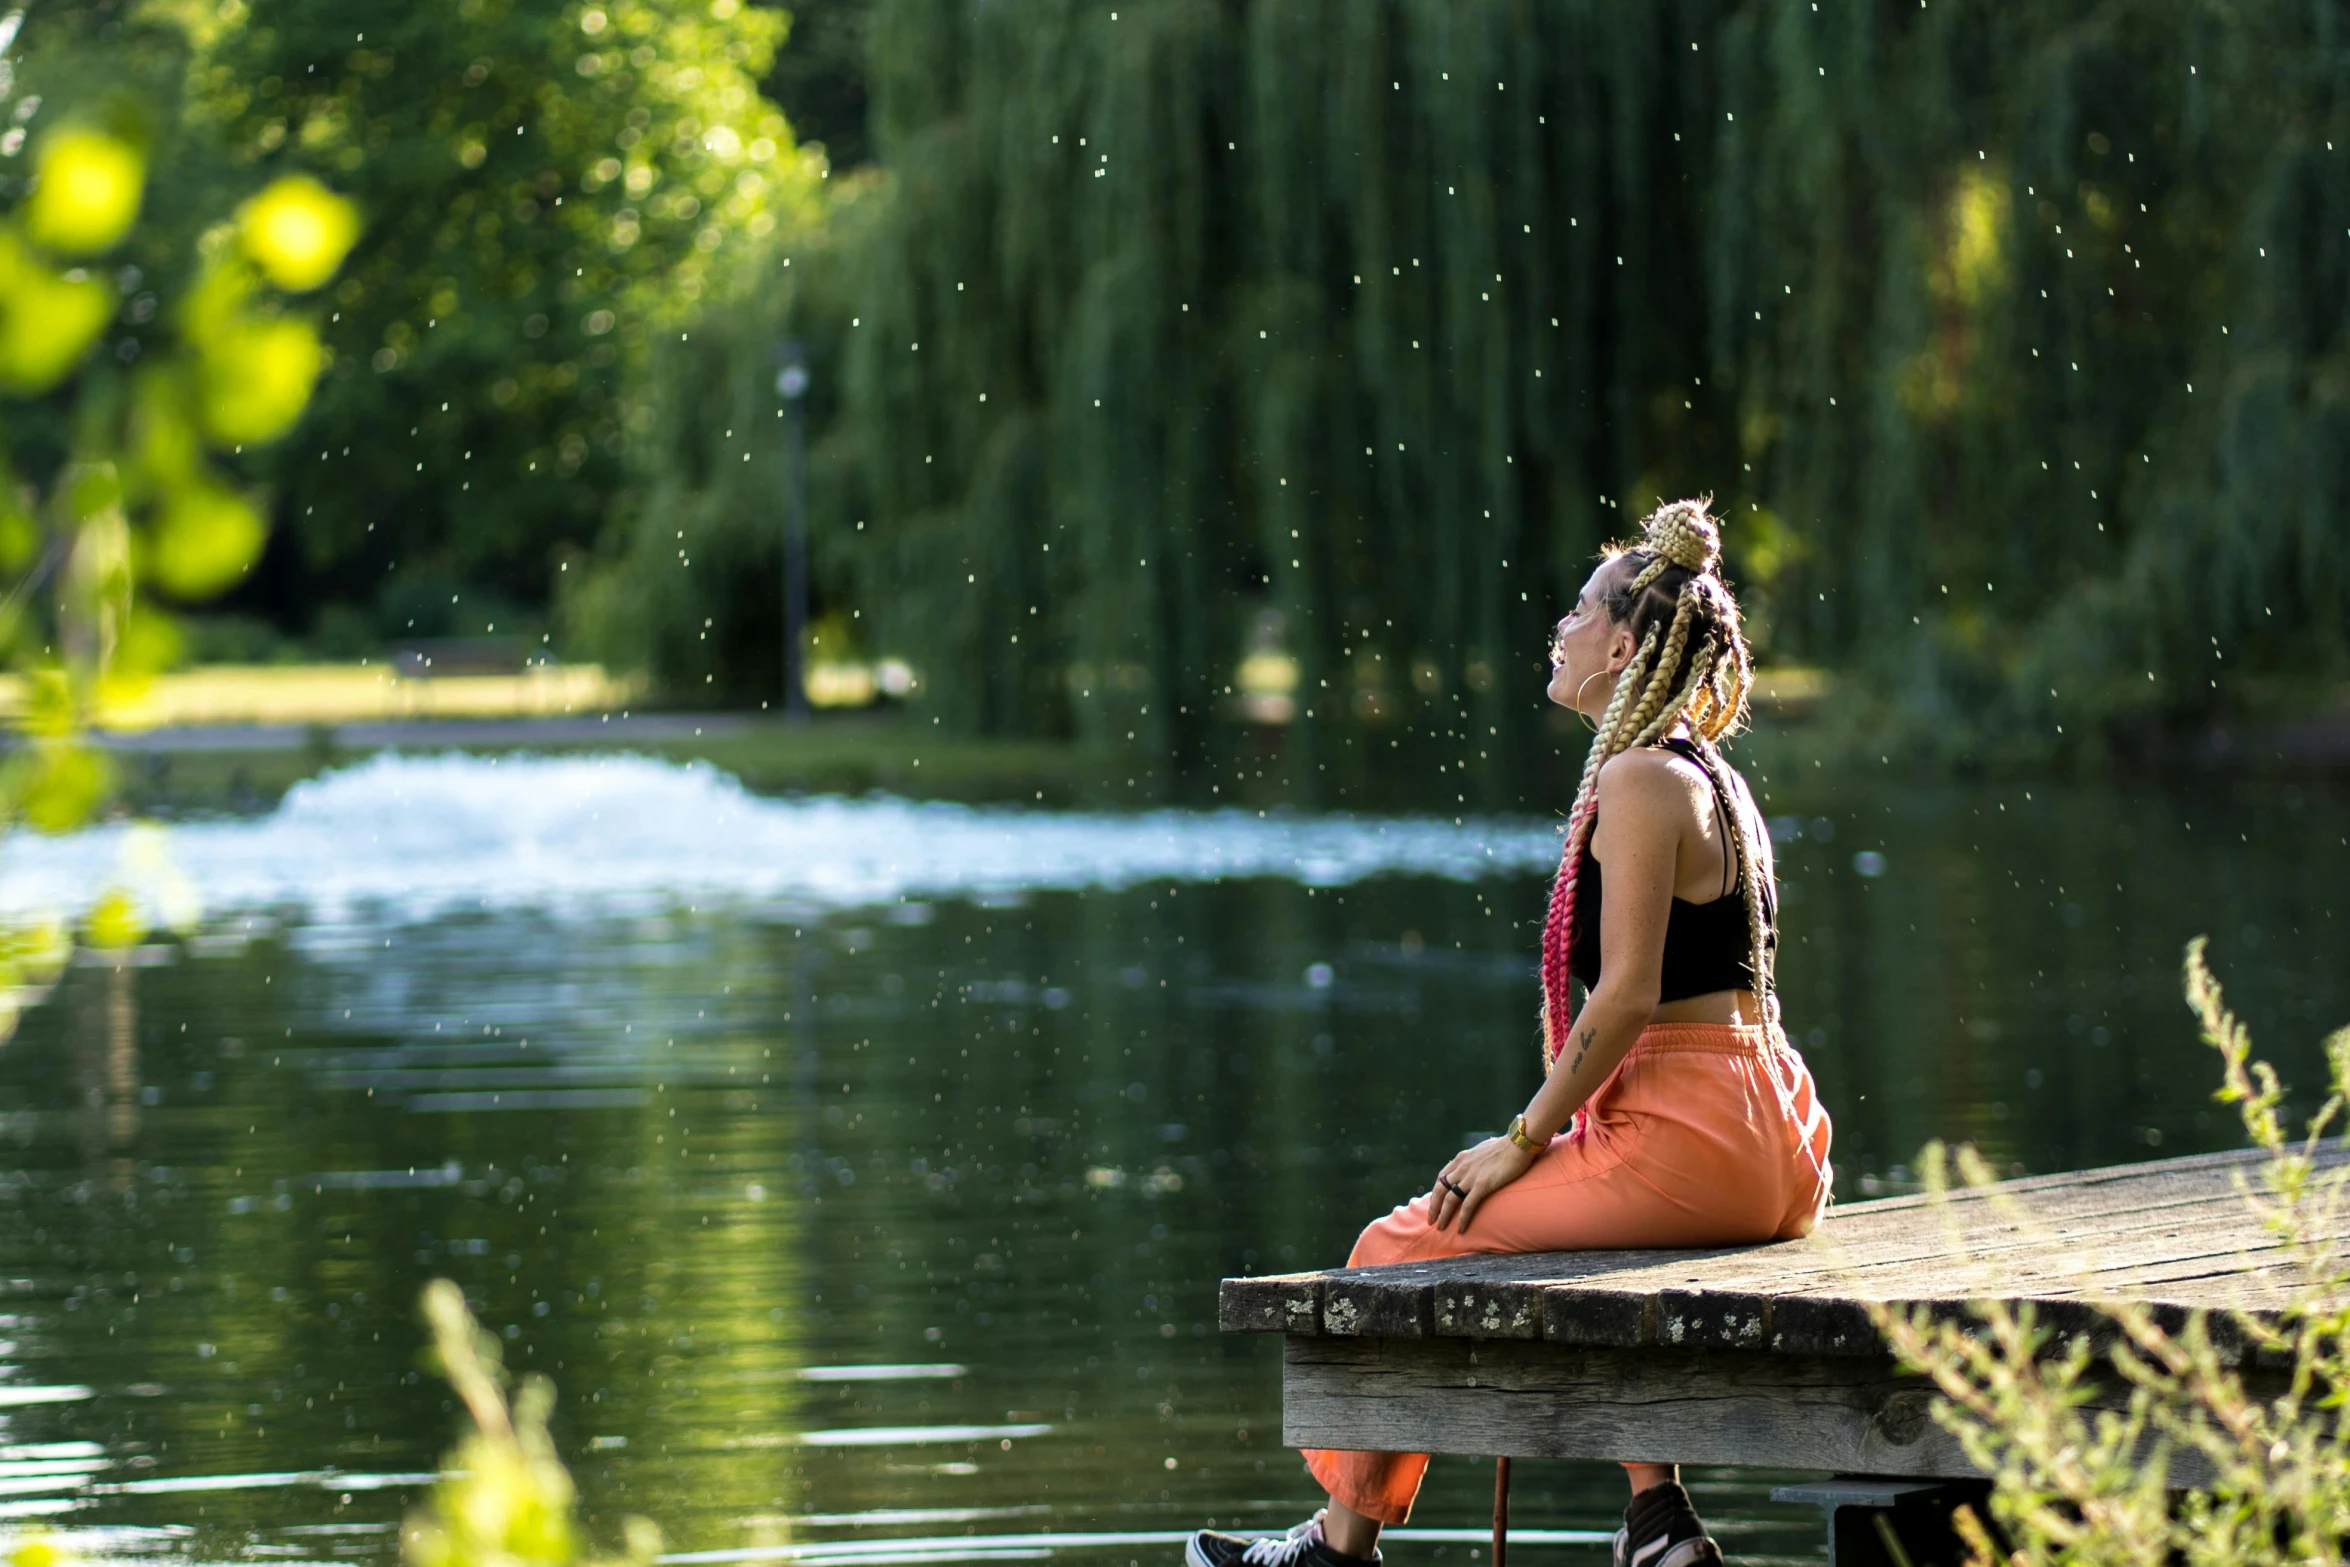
(1642, 807)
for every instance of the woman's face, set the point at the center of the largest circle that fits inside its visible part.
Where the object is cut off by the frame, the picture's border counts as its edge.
(1588, 649)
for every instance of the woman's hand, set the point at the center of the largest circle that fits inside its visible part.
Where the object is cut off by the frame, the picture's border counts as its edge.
(1474, 1175)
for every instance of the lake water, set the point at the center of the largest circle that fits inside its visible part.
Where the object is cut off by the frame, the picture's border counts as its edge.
(862, 1171)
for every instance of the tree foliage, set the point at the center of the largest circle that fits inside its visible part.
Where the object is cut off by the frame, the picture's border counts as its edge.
(547, 189)
(140, 355)
(2011, 338)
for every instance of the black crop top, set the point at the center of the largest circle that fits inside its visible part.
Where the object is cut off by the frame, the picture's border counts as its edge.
(1707, 945)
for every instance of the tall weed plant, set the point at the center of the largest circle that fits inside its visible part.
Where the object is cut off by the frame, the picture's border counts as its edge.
(504, 1498)
(2218, 1438)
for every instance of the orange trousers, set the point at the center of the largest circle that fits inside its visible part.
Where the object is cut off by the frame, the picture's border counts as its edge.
(1706, 1134)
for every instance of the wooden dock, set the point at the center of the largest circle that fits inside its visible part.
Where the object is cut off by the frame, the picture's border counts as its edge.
(1760, 1355)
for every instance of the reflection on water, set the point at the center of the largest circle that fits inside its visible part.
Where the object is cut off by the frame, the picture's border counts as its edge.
(851, 1227)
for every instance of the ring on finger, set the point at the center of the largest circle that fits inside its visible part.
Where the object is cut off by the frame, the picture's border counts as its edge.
(1452, 1186)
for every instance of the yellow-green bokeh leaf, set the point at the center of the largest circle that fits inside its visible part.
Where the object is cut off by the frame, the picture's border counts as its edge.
(116, 921)
(90, 489)
(48, 705)
(205, 538)
(166, 448)
(149, 643)
(256, 378)
(86, 190)
(56, 784)
(20, 535)
(297, 231)
(33, 948)
(48, 319)
(224, 286)
(36, 1550)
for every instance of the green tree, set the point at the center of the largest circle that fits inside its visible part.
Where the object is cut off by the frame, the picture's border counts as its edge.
(547, 190)
(819, 79)
(2009, 338)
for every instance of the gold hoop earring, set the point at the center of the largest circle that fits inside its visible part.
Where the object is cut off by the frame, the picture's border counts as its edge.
(1588, 721)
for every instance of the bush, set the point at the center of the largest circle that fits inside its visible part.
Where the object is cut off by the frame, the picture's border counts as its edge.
(2077, 1484)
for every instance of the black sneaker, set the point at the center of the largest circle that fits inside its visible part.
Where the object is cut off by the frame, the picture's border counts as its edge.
(1661, 1529)
(1302, 1546)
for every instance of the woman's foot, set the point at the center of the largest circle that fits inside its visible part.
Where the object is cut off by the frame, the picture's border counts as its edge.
(1661, 1529)
(1302, 1546)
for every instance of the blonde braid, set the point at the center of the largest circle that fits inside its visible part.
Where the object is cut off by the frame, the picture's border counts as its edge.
(1668, 660)
(1708, 722)
(1657, 727)
(1740, 679)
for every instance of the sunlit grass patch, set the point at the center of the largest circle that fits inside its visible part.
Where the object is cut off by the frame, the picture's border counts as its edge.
(349, 693)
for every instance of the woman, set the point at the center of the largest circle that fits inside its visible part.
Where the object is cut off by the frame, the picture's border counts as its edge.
(1674, 1113)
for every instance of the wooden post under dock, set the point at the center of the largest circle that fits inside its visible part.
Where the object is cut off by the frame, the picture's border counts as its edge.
(1760, 1355)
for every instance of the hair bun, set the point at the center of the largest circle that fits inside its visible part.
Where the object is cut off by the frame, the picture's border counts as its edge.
(1679, 533)
(1683, 533)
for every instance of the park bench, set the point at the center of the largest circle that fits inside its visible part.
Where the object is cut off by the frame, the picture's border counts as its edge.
(1759, 1356)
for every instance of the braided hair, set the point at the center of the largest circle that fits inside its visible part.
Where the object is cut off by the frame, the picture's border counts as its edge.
(1674, 599)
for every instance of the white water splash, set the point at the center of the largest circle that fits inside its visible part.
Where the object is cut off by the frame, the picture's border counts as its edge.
(399, 838)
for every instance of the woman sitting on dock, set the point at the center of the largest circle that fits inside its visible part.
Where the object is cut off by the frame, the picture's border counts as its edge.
(1674, 1112)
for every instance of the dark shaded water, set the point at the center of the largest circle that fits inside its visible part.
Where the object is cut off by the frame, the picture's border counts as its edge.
(851, 1221)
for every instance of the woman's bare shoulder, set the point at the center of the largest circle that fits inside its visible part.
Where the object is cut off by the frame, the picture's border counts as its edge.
(1650, 782)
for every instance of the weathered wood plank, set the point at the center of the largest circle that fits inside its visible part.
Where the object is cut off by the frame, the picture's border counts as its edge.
(1357, 1304)
(2221, 1164)
(1271, 1303)
(1533, 1400)
(2218, 1222)
(1538, 1401)
(2174, 1232)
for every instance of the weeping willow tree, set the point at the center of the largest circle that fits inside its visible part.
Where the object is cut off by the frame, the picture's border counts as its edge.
(2009, 337)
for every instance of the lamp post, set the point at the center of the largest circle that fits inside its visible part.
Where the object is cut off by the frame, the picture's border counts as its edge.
(791, 384)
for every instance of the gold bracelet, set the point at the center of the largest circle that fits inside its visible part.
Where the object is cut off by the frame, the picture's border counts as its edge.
(1518, 1136)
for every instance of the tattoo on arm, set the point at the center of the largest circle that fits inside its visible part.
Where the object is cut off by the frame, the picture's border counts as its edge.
(1582, 1049)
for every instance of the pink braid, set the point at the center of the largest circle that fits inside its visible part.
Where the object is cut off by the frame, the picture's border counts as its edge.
(1558, 935)
(1558, 925)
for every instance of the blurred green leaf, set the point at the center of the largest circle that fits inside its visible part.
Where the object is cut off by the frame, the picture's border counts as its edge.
(86, 189)
(20, 535)
(115, 921)
(56, 784)
(37, 1550)
(150, 642)
(88, 490)
(49, 708)
(255, 378)
(205, 537)
(32, 954)
(297, 231)
(48, 319)
(165, 446)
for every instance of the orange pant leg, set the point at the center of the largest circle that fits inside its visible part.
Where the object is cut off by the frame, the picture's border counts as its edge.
(1688, 1144)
